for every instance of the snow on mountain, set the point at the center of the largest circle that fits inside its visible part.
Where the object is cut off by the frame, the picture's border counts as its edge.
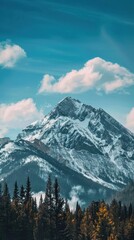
(87, 140)
(81, 139)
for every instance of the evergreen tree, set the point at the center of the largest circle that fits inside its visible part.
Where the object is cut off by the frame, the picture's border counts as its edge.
(93, 210)
(21, 218)
(41, 201)
(28, 211)
(129, 229)
(69, 218)
(102, 227)
(45, 224)
(28, 191)
(59, 215)
(6, 213)
(49, 211)
(130, 211)
(16, 194)
(86, 225)
(77, 222)
(22, 194)
(115, 212)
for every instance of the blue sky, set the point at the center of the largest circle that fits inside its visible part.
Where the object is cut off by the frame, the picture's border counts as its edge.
(41, 42)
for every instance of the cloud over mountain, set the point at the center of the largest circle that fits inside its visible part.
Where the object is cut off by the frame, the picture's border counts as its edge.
(17, 115)
(130, 120)
(96, 73)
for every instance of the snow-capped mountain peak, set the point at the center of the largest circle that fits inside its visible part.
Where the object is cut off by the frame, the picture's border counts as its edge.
(84, 140)
(71, 108)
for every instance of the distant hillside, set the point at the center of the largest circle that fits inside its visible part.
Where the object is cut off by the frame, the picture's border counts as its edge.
(126, 196)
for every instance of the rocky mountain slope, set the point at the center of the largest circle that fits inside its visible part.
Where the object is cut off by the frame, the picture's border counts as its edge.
(76, 142)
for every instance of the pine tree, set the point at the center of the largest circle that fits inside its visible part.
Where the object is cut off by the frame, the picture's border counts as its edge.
(61, 231)
(41, 201)
(130, 210)
(125, 212)
(16, 194)
(129, 229)
(93, 209)
(115, 213)
(53, 220)
(69, 220)
(77, 222)
(45, 224)
(22, 194)
(15, 211)
(39, 230)
(6, 213)
(86, 225)
(49, 211)
(28, 191)
(102, 227)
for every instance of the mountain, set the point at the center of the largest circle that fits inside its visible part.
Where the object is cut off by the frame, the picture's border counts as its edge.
(85, 147)
(126, 196)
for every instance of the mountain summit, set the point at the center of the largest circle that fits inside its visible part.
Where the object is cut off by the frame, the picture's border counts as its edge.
(81, 145)
(72, 108)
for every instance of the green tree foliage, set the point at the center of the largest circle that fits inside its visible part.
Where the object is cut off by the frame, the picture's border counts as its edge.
(77, 222)
(28, 191)
(22, 194)
(86, 225)
(16, 194)
(21, 218)
(103, 223)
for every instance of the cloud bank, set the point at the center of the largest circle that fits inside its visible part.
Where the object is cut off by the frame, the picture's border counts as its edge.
(10, 54)
(75, 197)
(130, 120)
(17, 115)
(96, 73)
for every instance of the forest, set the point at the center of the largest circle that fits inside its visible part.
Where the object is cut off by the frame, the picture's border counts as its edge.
(22, 219)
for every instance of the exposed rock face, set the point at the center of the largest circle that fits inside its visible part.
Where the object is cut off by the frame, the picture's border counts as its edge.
(4, 141)
(74, 139)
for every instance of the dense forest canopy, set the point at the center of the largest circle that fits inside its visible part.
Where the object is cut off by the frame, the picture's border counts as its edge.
(21, 218)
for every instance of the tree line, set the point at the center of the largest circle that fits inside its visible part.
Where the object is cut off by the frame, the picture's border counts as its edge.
(21, 218)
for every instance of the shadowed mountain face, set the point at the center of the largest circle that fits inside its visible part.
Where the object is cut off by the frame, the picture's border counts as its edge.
(79, 144)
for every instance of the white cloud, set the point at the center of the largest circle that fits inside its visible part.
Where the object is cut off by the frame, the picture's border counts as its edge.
(45, 83)
(130, 120)
(75, 197)
(102, 192)
(17, 115)
(91, 191)
(10, 54)
(96, 73)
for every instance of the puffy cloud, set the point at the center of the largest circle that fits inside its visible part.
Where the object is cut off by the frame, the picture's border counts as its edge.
(46, 83)
(10, 54)
(75, 197)
(118, 83)
(96, 73)
(17, 115)
(130, 120)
